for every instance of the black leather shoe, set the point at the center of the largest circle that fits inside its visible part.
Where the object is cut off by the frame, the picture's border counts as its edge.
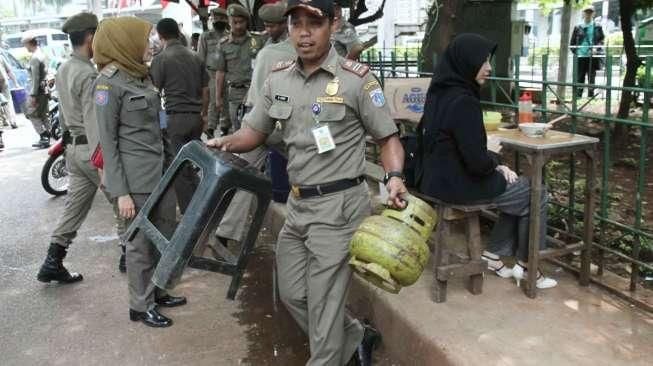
(224, 131)
(168, 301)
(151, 318)
(371, 340)
(209, 133)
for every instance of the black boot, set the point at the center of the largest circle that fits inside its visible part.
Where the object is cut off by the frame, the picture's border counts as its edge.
(122, 263)
(209, 133)
(2, 144)
(43, 142)
(224, 131)
(371, 340)
(53, 269)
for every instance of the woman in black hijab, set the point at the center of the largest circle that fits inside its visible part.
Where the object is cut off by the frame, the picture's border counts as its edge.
(456, 165)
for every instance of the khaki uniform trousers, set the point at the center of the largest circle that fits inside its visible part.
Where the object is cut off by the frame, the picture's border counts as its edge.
(312, 263)
(233, 222)
(38, 114)
(236, 98)
(214, 115)
(83, 183)
(183, 128)
(142, 255)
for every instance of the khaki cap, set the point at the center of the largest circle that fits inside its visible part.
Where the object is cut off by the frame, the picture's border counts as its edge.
(272, 13)
(219, 14)
(236, 10)
(80, 22)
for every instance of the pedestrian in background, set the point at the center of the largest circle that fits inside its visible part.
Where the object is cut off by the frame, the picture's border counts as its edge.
(584, 39)
(36, 106)
(127, 106)
(182, 77)
(5, 75)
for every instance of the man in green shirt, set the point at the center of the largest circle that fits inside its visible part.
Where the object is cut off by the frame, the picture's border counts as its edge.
(584, 39)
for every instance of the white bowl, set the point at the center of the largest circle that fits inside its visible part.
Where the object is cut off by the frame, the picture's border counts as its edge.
(534, 129)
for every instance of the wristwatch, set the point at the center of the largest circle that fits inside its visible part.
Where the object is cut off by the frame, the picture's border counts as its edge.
(397, 174)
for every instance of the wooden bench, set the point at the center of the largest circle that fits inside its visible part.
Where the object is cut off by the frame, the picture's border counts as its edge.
(447, 263)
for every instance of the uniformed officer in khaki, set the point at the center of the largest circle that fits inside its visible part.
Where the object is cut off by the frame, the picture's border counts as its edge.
(236, 56)
(127, 106)
(74, 81)
(231, 227)
(181, 75)
(326, 105)
(207, 49)
(345, 39)
(276, 25)
(36, 106)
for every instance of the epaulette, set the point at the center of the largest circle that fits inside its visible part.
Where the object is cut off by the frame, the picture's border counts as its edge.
(109, 70)
(355, 67)
(282, 65)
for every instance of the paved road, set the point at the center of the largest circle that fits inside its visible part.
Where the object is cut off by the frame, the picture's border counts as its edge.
(87, 323)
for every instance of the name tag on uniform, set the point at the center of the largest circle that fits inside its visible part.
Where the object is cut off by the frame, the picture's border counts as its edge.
(323, 139)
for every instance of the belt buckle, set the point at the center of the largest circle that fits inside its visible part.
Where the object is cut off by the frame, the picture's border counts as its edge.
(295, 191)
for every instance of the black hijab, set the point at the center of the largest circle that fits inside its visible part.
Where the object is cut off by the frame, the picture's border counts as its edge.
(461, 61)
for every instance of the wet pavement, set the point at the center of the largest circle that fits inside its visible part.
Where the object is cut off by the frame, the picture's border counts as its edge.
(87, 323)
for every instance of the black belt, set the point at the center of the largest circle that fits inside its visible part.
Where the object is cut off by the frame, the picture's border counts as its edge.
(180, 112)
(79, 140)
(322, 189)
(239, 86)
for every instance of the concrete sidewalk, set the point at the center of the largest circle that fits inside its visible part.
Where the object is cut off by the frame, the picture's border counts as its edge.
(566, 325)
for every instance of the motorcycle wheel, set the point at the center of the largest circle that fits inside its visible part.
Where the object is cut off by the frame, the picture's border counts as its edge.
(54, 176)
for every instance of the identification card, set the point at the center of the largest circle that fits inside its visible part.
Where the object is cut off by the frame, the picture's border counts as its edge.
(323, 139)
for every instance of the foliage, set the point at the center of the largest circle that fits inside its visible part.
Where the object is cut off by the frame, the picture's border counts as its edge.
(546, 6)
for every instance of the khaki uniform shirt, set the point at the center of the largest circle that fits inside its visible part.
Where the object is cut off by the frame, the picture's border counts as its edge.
(347, 98)
(38, 70)
(236, 58)
(269, 41)
(207, 47)
(181, 75)
(127, 112)
(267, 59)
(74, 81)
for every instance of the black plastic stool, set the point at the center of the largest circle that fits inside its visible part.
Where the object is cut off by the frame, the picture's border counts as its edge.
(221, 175)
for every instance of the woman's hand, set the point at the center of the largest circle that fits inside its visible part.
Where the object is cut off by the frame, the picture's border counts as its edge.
(126, 206)
(511, 177)
(396, 189)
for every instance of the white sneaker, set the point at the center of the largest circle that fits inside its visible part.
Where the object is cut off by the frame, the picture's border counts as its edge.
(497, 266)
(542, 282)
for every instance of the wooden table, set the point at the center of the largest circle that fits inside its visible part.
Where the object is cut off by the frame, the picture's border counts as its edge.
(538, 151)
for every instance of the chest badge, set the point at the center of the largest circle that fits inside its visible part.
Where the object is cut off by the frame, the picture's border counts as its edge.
(316, 108)
(332, 87)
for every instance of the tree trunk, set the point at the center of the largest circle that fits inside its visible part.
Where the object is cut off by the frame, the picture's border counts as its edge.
(564, 48)
(626, 11)
(440, 29)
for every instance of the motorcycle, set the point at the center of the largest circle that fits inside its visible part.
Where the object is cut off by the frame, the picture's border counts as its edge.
(54, 175)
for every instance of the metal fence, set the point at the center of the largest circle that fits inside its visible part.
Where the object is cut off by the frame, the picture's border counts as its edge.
(624, 220)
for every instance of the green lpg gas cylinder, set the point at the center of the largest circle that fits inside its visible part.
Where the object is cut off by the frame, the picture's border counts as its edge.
(390, 250)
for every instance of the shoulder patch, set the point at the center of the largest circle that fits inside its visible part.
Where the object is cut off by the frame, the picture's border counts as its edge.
(109, 70)
(355, 67)
(283, 65)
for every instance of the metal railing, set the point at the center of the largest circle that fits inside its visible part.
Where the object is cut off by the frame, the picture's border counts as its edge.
(622, 237)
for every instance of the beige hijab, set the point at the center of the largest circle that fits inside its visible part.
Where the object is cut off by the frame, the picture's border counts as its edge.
(122, 41)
